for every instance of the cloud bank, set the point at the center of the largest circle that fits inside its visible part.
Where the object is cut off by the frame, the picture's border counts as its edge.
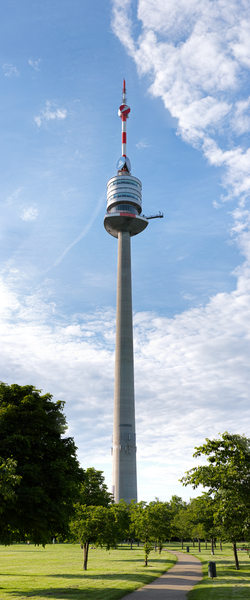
(191, 373)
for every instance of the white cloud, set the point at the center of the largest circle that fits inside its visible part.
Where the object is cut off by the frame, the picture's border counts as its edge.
(15, 195)
(241, 119)
(35, 64)
(29, 214)
(48, 114)
(142, 144)
(197, 54)
(10, 70)
(216, 204)
(194, 369)
(191, 373)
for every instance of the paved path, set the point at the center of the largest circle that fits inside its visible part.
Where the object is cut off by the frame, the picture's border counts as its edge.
(174, 584)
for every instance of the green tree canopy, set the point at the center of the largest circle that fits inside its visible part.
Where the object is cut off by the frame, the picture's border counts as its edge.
(93, 524)
(96, 518)
(8, 481)
(31, 430)
(161, 516)
(227, 477)
(93, 491)
(181, 525)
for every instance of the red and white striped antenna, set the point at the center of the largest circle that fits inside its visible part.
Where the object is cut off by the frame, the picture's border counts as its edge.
(123, 112)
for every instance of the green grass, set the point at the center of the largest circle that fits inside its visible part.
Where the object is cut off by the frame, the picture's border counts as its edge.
(229, 583)
(56, 572)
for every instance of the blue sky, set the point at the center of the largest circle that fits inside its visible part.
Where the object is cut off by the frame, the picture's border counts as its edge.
(186, 69)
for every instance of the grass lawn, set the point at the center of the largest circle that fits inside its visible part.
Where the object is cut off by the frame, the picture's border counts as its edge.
(229, 583)
(56, 572)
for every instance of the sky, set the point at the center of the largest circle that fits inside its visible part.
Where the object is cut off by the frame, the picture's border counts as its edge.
(186, 67)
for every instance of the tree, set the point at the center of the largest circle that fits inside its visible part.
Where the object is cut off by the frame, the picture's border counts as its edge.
(227, 477)
(45, 463)
(202, 514)
(176, 503)
(131, 531)
(8, 480)
(198, 514)
(181, 524)
(123, 519)
(93, 491)
(161, 517)
(143, 527)
(94, 524)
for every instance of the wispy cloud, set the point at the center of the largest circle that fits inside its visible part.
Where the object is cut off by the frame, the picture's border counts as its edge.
(35, 63)
(15, 195)
(48, 114)
(142, 144)
(217, 204)
(10, 70)
(81, 235)
(29, 214)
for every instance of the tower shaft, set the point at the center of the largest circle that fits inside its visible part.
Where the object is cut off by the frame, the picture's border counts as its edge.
(124, 479)
(123, 220)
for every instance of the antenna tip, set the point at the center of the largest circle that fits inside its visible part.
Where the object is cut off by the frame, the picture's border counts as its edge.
(124, 86)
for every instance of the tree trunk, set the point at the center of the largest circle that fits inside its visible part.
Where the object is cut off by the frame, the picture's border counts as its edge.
(193, 544)
(182, 543)
(212, 546)
(146, 561)
(131, 544)
(138, 542)
(220, 546)
(199, 544)
(206, 544)
(85, 555)
(155, 546)
(235, 556)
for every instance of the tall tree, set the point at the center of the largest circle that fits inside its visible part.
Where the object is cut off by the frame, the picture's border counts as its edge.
(227, 477)
(32, 427)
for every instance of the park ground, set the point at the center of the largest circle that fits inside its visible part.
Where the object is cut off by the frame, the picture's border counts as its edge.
(55, 572)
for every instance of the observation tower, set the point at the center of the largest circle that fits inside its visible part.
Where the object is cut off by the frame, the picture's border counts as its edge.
(123, 220)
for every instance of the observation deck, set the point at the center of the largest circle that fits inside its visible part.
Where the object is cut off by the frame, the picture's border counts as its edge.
(124, 205)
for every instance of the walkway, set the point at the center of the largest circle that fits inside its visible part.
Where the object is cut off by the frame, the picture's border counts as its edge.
(174, 584)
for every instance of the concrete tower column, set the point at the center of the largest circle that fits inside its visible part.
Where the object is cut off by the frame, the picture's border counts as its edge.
(124, 481)
(123, 220)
